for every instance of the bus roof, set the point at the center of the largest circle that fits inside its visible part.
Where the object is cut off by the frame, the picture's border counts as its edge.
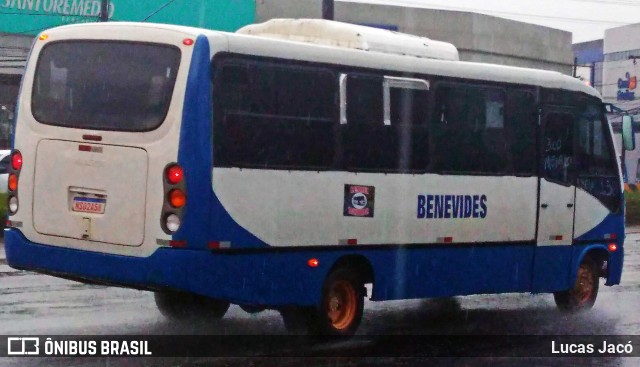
(313, 52)
(353, 36)
(192, 31)
(272, 47)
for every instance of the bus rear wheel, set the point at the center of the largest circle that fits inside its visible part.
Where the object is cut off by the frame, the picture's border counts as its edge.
(182, 306)
(342, 303)
(584, 292)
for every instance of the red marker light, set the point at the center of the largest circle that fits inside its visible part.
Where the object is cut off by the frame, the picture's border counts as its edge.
(187, 42)
(175, 174)
(16, 161)
(313, 263)
(92, 137)
(178, 244)
(613, 247)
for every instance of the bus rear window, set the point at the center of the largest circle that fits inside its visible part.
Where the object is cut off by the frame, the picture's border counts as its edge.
(121, 86)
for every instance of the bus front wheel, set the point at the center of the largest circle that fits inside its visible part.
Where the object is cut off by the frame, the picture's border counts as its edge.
(342, 303)
(183, 306)
(339, 312)
(584, 292)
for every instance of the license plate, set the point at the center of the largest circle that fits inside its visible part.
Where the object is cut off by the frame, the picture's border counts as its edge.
(89, 205)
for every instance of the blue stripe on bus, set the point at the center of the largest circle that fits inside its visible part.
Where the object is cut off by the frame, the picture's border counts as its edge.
(205, 218)
(611, 224)
(276, 278)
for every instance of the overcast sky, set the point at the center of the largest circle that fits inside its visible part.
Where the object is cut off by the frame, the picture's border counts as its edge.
(586, 19)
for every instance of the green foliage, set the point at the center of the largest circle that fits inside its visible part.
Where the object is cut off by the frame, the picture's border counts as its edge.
(3, 207)
(633, 207)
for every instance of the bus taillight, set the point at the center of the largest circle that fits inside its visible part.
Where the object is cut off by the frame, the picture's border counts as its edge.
(174, 174)
(175, 198)
(13, 205)
(172, 222)
(16, 161)
(12, 181)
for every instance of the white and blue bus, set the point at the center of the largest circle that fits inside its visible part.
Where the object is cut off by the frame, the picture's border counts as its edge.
(290, 164)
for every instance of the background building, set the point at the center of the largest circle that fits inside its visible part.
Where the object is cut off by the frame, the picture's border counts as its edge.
(589, 59)
(478, 37)
(622, 67)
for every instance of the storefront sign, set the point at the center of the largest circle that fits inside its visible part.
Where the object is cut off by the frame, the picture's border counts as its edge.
(626, 88)
(33, 16)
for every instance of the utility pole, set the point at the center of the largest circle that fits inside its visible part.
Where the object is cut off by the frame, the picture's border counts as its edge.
(104, 11)
(328, 9)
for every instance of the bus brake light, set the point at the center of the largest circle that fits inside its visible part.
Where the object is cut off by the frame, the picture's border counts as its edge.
(175, 174)
(16, 161)
(613, 247)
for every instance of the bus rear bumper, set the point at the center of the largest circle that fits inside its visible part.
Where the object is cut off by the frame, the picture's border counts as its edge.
(242, 279)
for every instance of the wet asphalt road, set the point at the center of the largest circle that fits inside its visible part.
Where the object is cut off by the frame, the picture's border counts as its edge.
(34, 304)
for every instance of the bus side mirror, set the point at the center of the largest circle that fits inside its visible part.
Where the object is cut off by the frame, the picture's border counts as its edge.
(628, 135)
(608, 107)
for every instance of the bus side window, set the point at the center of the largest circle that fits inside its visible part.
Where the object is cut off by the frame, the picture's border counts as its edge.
(468, 131)
(558, 164)
(595, 156)
(522, 121)
(407, 111)
(274, 116)
(367, 141)
(387, 124)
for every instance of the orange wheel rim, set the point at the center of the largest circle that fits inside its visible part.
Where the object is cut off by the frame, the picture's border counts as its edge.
(584, 284)
(341, 305)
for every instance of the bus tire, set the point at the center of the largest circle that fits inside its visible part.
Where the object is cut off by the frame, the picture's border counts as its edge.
(342, 303)
(182, 306)
(583, 294)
